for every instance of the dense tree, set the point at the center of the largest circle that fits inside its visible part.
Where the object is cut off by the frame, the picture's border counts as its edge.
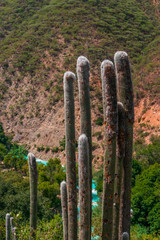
(18, 150)
(145, 198)
(14, 194)
(50, 177)
(13, 161)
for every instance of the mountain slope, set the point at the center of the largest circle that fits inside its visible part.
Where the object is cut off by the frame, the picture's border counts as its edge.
(42, 39)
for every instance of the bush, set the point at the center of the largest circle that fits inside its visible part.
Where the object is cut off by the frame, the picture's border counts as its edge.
(145, 199)
(96, 220)
(50, 177)
(55, 149)
(13, 161)
(150, 154)
(45, 229)
(18, 150)
(47, 149)
(99, 121)
(39, 149)
(62, 143)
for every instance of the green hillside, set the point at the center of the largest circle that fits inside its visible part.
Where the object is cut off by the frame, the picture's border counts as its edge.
(146, 75)
(40, 40)
(94, 28)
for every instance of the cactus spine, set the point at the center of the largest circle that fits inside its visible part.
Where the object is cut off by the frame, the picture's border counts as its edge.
(69, 77)
(118, 194)
(84, 188)
(85, 112)
(110, 108)
(64, 209)
(125, 95)
(33, 174)
(8, 227)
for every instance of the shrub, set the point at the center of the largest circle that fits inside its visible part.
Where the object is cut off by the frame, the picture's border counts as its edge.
(145, 198)
(47, 149)
(99, 121)
(55, 149)
(62, 143)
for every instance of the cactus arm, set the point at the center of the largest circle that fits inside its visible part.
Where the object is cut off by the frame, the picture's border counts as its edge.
(119, 170)
(84, 188)
(69, 77)
(125, 95)
(63, 189)
(33, 174)
(85, 112)
(110, 117)
(8, 227)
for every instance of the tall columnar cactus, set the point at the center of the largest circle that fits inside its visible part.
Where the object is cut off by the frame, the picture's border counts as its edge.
(125, 95)
(110, 113)
(119, 172)
(69, 78)
(64, 209)
(12, 226)
(14, 233)
(8, 227)
(33, 175)
(84, 188)
(118, 119)
(85, 111)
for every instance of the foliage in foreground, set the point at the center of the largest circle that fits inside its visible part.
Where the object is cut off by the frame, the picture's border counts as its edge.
(50, 230)
(145, 190)
(145, 199)
(14, 195)
(139, 232)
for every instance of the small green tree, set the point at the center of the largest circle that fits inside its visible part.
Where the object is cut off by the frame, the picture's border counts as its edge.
(50, 177)
(18, 150)
(13, 161)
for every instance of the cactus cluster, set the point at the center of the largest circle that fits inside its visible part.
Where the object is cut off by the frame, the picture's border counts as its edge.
(118, 122)
(33, 177)
(10, 229)
(117, 93)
